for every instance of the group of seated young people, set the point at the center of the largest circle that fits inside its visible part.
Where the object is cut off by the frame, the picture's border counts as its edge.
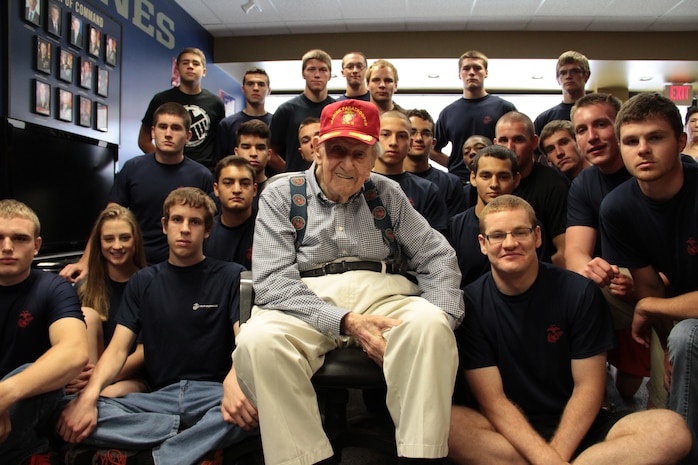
(134, 364)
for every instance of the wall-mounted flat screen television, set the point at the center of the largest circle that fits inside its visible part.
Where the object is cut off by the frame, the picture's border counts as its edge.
(64, 177)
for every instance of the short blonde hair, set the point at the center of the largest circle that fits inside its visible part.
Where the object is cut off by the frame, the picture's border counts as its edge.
(317, 54)
(505, 203)
(11, 208)
(381, 64)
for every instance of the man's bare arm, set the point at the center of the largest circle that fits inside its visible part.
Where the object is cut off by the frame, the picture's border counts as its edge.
(145, 139)
(439, 157)
(507, 419)
(589, 376)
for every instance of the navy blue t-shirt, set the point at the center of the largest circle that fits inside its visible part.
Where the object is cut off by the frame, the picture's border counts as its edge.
(533, 337)
(425, 198)
(559, 111)
(27, 311)
(586, 194)
(464, 118)
(185, 316)
(450, 188)
(232, 244)
(142, 186)
(284, 128)
(637, 232)
(226, 134)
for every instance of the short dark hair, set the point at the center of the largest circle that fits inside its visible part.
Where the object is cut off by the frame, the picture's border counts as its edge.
(254, 127)
(423, 114)
(255, 71)
(195, 51)
(194, 198)
(553, 127)
(648, 105)
(174, 109)
(307, 121)
(233, 160)
(594, 99)
(474, 54)
(573, 57)
(495, 151)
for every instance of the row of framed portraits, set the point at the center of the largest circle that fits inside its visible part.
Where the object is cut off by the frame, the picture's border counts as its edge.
(79, 35)
(89, 75)
(80, 110)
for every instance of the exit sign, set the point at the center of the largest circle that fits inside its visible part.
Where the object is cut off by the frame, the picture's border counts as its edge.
(680, 95)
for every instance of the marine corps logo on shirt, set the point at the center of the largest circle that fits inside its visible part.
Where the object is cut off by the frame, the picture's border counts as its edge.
(25, 318)
(554, 334)
(692, 246)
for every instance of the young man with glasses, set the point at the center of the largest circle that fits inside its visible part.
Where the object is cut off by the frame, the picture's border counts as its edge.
(417, 162)
(572, 73)
(533, 346)
(354, 66)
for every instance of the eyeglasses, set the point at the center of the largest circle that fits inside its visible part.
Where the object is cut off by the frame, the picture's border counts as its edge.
(426, 134)
(499, 236)
(571, 72)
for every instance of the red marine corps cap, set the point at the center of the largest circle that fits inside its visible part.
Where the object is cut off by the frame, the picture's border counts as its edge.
(350, 118)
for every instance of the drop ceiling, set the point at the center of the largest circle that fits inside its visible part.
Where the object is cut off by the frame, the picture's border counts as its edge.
(286, 18)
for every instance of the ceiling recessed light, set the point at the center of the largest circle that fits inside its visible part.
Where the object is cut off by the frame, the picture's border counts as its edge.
(433, 76)
(645, 78)
(536, 76)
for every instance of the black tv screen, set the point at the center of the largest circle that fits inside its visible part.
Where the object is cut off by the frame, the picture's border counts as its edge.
(64, 177)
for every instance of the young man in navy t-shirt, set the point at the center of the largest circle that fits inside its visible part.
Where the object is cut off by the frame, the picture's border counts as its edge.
(186, 310)
(43, 341)
(533, 348)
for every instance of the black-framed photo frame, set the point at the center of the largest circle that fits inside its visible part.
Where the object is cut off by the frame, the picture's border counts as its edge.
(32, 12)
(94, 45)
(44, 52)
(75, 35)
(110, 49)
(85, 109)
(102, 82)
(86, 68)
(65, 105)
(102, 114)
(66, 62)
(54, 21)
(42, 97)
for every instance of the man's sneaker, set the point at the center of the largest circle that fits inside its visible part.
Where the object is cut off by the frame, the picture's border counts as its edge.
(91, 456)
(214, 457)
(47, 458)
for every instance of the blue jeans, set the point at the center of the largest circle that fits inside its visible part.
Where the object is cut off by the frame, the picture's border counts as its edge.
(683, 396)
(152, 420)
(28, 418)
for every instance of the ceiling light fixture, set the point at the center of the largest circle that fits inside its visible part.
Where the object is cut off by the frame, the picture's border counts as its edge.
(645, 78)
(249, 5)
(433, 76)
(536, 76)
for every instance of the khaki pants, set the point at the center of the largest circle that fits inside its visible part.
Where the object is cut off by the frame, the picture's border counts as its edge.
(278, 353)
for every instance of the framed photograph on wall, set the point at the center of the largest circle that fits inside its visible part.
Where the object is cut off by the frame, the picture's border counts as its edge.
(111, 49)
(65, 65)
(54, 22)
(65, 105)
(44, 50)
(95, 44)
(102, 82)
(75, 38)
(86, 73)
(85, 117)
(42, 97)
(102, 112)
(32, 11)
